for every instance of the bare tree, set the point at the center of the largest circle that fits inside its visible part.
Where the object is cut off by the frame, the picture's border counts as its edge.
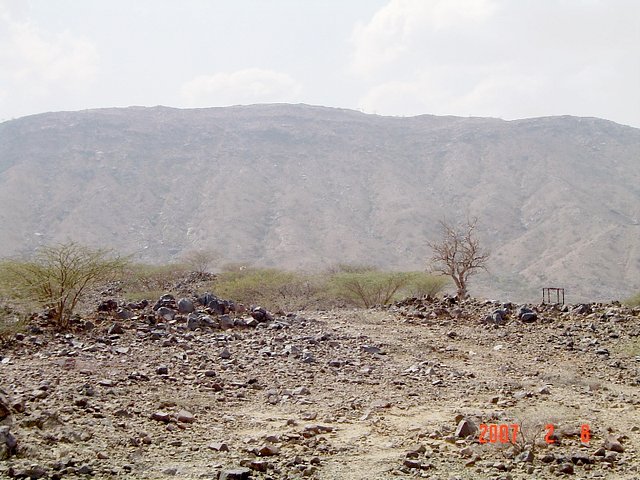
(458, 254)
(200, 260)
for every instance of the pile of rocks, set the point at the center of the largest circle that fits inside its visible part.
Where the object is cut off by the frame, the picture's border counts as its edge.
(495, 313)
(205, 311)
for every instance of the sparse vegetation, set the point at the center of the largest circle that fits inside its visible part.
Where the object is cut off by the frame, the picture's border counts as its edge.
(367, 286)
(11, 322)
(351, 285)
(533, 426)
(271, 288)
(633, 301)
(58, 277)
(422, 284)
(458, 254)
(142, 281)
(200, 261)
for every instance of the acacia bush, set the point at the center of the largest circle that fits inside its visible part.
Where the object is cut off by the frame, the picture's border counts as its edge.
(58, 277)
(200, 261)
(368, 286)
(422, 284)
(633, 301)
(143, 281)
(342, 285)
(270, 288)
(11, 322)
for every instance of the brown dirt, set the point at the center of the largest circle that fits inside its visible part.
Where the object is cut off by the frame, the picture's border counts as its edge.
(437, 361)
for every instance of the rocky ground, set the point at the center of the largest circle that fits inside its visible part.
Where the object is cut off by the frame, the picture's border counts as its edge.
(161, 391)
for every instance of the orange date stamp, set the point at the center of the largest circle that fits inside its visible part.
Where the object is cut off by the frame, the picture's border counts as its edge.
(508, 433)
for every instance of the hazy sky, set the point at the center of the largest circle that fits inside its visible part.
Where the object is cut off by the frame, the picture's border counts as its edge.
(501, 58)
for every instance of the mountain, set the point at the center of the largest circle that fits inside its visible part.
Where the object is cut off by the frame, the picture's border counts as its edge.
(296, 186)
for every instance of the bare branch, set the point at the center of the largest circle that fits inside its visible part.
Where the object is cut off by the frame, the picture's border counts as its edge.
(458, 254)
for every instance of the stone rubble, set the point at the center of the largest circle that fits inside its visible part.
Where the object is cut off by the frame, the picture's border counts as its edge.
(198, 387)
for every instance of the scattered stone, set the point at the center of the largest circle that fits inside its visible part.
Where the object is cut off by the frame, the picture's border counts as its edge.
(611, 457)
(613, 444)
(411, 463)
(373, 350)
(185, 306)
(8, 443)
(525, 457)
(226, 322)
(344, 373)
(465, 428)
(185, 416)
(380, 404)
(566, 468)
(544, 390)
(167, 300)
(261, 315)
(161, 416)
(5, 402)
(581, 458)
(257, 465)
(219, 447)
(308, 357)
(124, 314)
(109, 305)
(217, 307)
(115, 329)
(415, 451)
(235, 474)
(301, 391)
(267, 450)
(166, 313)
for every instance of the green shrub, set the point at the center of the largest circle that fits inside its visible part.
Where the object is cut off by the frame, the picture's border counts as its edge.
(143, 281)
(633, 301)
(368, 288)
(422, 284)
(200, 261)
(270, 288)
(11, 322)
(58, 277)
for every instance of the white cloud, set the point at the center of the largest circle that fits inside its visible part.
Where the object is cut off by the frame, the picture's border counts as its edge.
(501, 58)
(36, 63)
(454, 90)
(398, 26)
(252, 85)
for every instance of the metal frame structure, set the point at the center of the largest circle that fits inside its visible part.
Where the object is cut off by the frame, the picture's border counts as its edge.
(546, 294)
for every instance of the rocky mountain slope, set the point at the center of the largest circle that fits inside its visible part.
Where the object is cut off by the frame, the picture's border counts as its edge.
(295, 186)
